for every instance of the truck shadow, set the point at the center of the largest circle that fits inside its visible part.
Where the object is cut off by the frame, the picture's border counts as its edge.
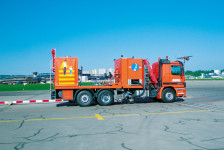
(67, 104)
(136, 101)
(147, 100)
(72, 104)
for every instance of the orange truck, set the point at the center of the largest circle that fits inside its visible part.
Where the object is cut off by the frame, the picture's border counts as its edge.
(133, 78)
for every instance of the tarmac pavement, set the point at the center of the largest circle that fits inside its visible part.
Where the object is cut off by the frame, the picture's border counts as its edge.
(196, 122)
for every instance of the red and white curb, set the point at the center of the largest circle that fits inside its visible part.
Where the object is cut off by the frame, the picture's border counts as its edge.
(32, 101)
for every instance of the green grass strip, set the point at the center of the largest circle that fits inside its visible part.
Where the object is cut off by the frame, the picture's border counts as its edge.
(21, 87)
(31, 87)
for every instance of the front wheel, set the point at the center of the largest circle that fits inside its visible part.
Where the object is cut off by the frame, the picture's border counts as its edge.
(168, 95)
(84, 98)
(105, 98)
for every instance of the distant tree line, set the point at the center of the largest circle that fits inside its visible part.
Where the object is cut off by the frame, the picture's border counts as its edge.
(199, 72)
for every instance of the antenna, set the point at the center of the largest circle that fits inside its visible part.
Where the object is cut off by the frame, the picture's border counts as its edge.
(185, 58)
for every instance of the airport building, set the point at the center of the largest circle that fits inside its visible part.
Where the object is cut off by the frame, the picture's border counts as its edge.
(29, 79)
(216, 75)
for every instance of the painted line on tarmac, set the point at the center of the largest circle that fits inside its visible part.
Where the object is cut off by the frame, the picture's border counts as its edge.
(161, 113)
(99, 117)
(47, 119)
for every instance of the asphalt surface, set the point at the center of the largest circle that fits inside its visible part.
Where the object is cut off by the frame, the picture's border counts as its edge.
(196, 122)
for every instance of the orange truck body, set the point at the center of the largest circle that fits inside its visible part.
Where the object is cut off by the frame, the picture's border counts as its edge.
(130, 76)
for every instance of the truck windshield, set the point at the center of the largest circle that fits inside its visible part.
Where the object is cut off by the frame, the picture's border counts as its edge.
(176, 70)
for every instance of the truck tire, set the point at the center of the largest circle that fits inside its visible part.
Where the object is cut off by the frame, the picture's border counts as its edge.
(168, 95)
(84, 98)
(105, 98)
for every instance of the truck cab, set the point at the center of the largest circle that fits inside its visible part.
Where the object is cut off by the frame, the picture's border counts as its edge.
(171, 79)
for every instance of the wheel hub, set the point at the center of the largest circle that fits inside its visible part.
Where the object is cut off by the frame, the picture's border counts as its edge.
(84, 98)
(169, 96)
(105, 98)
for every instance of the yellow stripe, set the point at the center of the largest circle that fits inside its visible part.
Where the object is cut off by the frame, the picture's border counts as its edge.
(66, 79)
(11, 120)
(66, 83)
(48, 119)
(66, 75)
(127, 115)
(162, 113)
(99, 117)
(67, 71)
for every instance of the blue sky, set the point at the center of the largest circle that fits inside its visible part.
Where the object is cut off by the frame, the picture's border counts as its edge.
(97, 32)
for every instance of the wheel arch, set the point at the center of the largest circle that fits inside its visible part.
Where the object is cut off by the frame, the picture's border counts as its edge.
(78, 91)
(163, 88)
(105, 97)
(168, 95)
(98, 91)
(170, 87)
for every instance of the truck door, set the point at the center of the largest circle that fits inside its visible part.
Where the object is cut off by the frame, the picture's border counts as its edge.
(177, 73)
(166, 73)
(172, 74)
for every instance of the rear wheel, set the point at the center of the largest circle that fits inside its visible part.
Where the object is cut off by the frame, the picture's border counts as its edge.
(84, 98)
(105, 98)
(168, 95)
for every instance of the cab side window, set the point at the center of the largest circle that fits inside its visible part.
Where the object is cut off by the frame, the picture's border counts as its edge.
(176, 70)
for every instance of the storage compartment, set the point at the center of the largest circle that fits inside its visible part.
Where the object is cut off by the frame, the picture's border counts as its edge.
(67, 94)
(129, 72)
